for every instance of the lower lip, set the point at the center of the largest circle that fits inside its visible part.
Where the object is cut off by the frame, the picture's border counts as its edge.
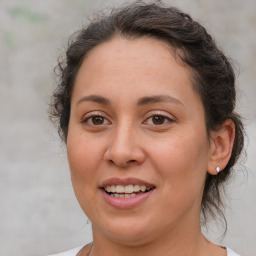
(124, 203)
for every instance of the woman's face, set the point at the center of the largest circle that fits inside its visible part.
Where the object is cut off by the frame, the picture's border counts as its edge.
(136, 123)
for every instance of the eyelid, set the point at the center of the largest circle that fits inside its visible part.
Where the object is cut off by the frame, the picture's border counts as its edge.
(93, 114)
(164, 114)
(160, 113)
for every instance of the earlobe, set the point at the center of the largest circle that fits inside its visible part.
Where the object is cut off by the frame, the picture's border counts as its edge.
(221, 146)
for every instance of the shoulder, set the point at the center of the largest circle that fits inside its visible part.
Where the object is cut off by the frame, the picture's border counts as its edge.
(231, 253)
(72, 252)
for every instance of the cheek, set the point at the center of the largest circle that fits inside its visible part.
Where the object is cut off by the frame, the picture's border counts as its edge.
(84, 156)
(181, 162)
(84, 159)
(178, 152)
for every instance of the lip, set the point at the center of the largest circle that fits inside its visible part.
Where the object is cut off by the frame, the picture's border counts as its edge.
(126, 203)
(125, 182)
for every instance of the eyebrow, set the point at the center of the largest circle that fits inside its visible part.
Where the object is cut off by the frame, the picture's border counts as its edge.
(142, 101)
(95, 98)
(159, 98)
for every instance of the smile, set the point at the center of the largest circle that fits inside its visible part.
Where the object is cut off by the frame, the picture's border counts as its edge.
(128, 191)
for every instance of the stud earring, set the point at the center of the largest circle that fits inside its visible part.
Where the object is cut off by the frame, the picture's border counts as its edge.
(217, 169)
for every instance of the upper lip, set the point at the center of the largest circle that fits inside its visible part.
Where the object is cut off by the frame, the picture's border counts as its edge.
(125, 182)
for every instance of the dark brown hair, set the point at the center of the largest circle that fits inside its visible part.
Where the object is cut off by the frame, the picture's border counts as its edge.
(213, 75)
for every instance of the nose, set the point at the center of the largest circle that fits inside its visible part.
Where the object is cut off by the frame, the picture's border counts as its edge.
(124, 148)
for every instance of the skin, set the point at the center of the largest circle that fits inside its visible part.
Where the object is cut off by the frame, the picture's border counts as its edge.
(126, 141)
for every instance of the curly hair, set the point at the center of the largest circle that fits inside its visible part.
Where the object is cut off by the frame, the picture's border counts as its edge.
(213, 75)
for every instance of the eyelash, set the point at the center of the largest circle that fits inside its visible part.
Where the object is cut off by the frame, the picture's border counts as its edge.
(166, 119)
(89, 120)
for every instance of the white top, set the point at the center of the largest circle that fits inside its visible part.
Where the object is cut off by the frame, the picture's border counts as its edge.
(75, 251)
(231, 253)
(72, 252)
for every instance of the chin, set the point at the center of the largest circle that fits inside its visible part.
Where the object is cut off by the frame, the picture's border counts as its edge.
(127, 232)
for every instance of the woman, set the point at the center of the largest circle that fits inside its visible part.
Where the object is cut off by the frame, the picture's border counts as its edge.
(146, 105)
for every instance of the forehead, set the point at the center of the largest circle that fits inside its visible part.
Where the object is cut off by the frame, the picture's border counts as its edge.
(131, 52)
(135, 67)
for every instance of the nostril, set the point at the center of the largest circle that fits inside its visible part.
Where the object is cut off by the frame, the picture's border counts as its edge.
(131, 162)
(123, 164)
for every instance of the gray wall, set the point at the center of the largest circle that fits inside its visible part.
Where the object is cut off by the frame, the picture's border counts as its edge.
(39, 213)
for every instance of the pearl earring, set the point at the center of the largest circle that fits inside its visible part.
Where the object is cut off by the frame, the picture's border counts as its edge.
(217, 169)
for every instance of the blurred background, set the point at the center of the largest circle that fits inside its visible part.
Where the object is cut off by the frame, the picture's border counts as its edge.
(39, 214)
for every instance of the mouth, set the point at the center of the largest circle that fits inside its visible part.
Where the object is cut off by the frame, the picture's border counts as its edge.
(127, 191)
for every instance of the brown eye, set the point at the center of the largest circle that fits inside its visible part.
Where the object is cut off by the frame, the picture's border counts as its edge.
(158, 119)
(98, 120)
(95, 120)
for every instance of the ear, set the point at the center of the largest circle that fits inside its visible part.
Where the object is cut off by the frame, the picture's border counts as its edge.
(221, 145)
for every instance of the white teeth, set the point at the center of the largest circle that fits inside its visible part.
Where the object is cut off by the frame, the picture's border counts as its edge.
(120, 189)
(123, 195)
(113, 188)
(129, 189)
(136, 188)
(143, 188)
